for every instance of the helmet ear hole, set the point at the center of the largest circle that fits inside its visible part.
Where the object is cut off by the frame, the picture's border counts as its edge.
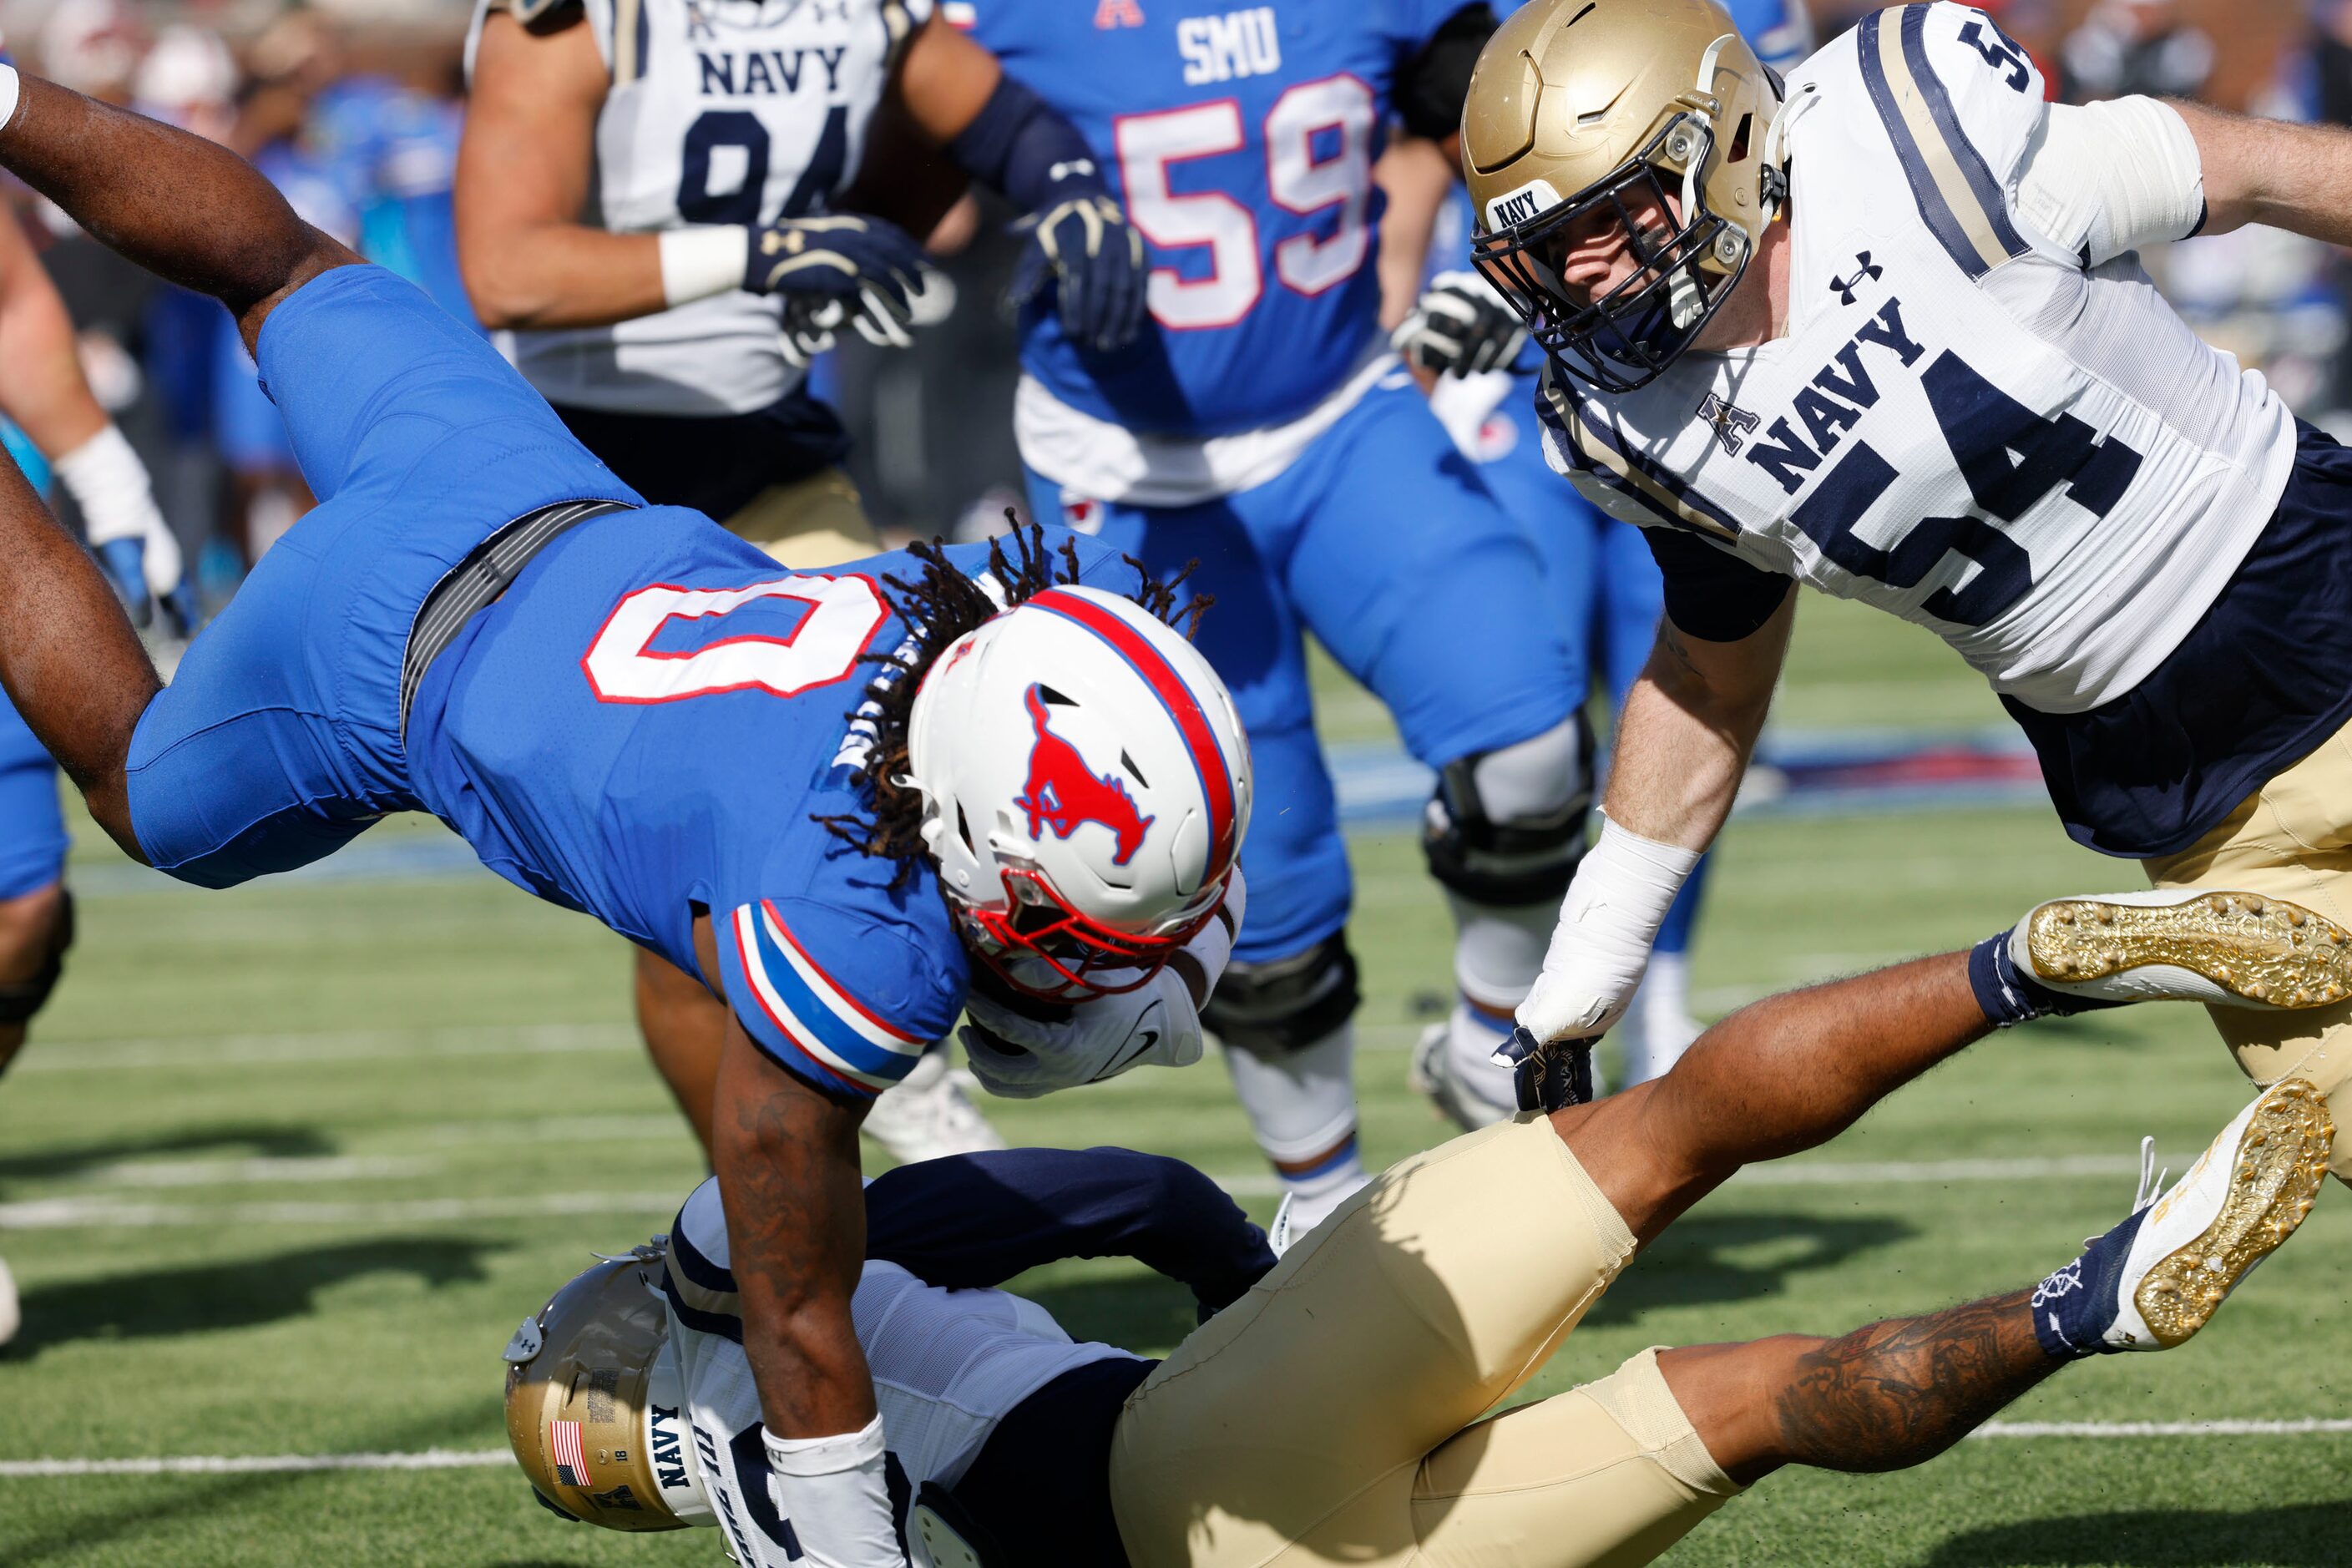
(1134, 771)
(1739, 151)
(963, 828)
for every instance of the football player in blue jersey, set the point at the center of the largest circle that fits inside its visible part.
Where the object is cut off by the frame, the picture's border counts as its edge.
(622, 163)
(630, 713)
(1260, 425)
(1462, 331)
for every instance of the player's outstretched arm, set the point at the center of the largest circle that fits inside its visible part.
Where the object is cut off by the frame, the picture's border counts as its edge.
(788, 1174)
(176, 203)
(1683, 744)
(2296, 178)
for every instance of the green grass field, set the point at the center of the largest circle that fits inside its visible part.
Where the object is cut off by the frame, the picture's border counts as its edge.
(284, 1166)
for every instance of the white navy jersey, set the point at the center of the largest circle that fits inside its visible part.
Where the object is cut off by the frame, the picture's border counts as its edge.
(720, 111)
(947, 1366)
(1962, 424)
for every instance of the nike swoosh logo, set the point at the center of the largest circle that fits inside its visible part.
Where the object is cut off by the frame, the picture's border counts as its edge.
(1151, 1038)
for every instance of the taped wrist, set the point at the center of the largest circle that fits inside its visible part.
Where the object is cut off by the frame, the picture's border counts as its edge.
(1632, 880)
(110, 484)
(835, 1495)
(696, 263)
(1023, 147)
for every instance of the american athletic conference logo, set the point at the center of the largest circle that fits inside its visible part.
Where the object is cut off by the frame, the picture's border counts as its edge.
(1062, 793)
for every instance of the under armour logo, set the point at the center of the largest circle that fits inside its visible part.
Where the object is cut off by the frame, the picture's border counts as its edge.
(1732, 426)
(1060, 172)
(1109, 14)
(1863, 269)
(837, 12)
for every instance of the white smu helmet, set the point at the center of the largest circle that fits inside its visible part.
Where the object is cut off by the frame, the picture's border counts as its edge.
(1086, 784)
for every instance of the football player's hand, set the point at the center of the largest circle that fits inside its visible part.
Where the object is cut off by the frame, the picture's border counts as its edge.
(1460, 326)
(1602, 944)
(145, 572)
(1086, 248)
(1021, 1057)
(813, 324)
(861, 261)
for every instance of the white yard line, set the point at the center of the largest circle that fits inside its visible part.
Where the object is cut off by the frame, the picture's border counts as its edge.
(495, 1459)
(326, 1046)
(99, 1212)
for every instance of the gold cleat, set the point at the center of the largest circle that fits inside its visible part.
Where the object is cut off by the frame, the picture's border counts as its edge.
(2188, 944)
(2245, 1196)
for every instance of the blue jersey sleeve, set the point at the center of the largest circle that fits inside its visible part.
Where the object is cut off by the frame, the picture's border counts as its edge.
(380, 387)
(840, 978)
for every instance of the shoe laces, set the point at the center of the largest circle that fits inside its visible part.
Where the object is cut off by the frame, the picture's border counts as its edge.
(2151, 1180)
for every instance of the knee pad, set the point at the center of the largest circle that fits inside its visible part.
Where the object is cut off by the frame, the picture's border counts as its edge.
(1506, 826)
(1270, 1009)
(20, 999)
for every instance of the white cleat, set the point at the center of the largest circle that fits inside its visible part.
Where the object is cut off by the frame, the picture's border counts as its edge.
(2157, 1277)
(2186, 944)
(926, 1115)
(1430, 1074)
(12, 1317)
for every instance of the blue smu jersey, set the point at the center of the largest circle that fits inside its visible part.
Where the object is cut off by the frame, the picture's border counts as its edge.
(1242, 144)
(652, 719)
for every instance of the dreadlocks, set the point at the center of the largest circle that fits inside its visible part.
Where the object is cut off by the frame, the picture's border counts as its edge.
(940, 605)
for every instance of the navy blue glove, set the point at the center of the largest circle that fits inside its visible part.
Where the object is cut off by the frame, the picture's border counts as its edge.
(1093, 257)
(861, 263)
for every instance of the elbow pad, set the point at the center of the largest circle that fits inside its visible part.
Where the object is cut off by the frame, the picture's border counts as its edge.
(2106, 178)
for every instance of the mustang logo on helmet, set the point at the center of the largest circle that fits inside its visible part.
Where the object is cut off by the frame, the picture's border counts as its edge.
(1062, 791)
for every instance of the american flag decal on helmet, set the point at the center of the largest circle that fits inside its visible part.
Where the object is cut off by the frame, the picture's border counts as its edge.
(571, 1464)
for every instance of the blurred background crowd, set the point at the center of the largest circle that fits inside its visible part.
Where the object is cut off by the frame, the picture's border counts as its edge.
(355, 108)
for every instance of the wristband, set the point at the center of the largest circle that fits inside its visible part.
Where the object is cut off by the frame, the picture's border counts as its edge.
(696, 263)
(110, 484)
(1632, 878)
(12, 87)
(837, 1494)
(824, 1455)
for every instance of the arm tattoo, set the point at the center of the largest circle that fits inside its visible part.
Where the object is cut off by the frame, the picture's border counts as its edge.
(1898, 1394)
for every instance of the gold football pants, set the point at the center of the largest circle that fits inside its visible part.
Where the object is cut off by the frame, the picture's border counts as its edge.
(808, 525)
(1327, 1416)
(2291, 838)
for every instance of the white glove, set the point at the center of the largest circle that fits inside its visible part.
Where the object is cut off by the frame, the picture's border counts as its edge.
(1100, 1038)
(1460, 326)
(1607, 922)
(834, 1493)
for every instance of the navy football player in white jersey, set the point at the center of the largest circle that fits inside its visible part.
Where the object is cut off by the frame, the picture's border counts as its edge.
(644, 189)
(845, 803)
(1328, 1412)
(1881, 331)
(1259, 424)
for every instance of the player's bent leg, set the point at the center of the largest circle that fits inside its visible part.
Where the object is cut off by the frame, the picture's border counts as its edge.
(1287, 1029)
(1611, 1473)
(36, 930)
(1502, 834)
(2289, 840)
(1423, 1299)
(1898, 1392)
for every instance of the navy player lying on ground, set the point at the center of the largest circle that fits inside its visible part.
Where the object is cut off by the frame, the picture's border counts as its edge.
(1330, 1412)
(629, 711)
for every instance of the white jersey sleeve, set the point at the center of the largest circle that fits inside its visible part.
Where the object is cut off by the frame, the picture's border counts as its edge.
(947, 1366)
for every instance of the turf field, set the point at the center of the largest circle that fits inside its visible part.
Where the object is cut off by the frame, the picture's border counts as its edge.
(283, 1167)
